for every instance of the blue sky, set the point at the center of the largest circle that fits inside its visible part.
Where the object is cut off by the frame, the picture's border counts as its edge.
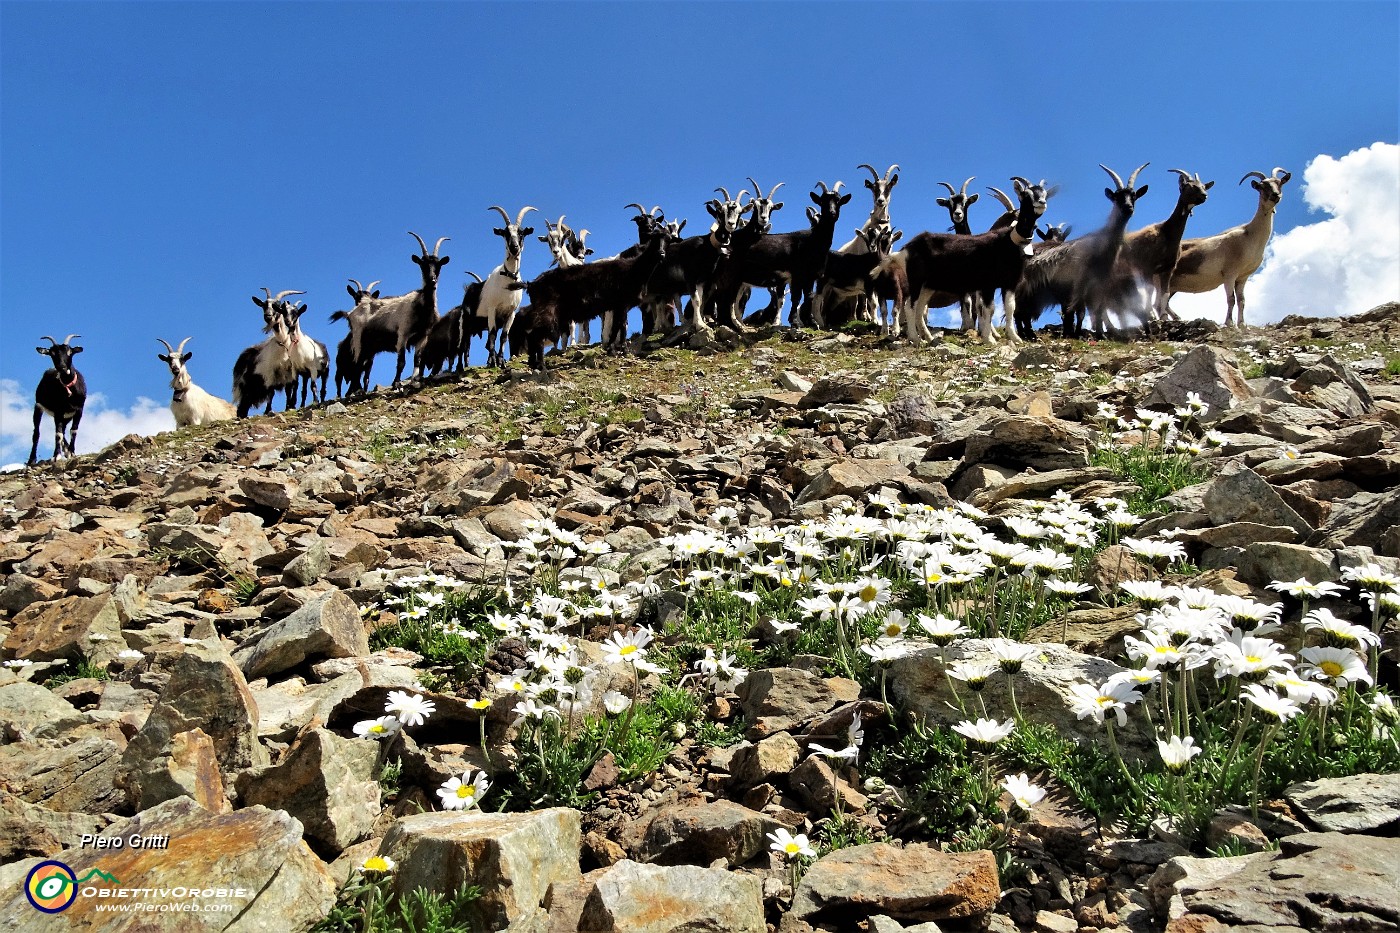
(162, 161)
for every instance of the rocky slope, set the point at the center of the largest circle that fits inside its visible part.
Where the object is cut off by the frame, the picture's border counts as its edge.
(193, 624)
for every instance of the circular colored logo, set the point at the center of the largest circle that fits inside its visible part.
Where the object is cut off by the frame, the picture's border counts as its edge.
(51, 887)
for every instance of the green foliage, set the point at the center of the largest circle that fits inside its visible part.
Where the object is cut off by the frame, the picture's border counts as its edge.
(84, 670)
(946, 793)
(453, 637)
(368, 905)
(389, 777)
(839, 832)
(1158, 472)
(1392, 366)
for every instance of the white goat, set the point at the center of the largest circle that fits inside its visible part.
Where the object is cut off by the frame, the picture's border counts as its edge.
(189, 403)
(500, 296)
(1230, 258)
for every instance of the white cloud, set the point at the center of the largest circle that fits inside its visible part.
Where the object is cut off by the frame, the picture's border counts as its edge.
(100, 425)
(1347, 263)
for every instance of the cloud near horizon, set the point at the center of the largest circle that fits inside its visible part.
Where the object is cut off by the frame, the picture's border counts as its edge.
(1346, 263)
(100, 425)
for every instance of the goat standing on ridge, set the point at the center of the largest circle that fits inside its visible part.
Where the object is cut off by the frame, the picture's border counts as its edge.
(264, 368)
(1230, 258)
(190, 404)
(500, 296)
(62, 392)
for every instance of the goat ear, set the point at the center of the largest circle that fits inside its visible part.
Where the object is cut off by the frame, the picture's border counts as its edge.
(844, 200)
(526, 231)
(499, 231)
(1209, 185)
(542, 239)
(374, 294)
(588, 251)
(77, 350)
(681, 227)
(262, 303)
(1140, 192)
(353, 294)
(1108, 193)
(971, 198)
(870, 184)
(43, 350)
(1052, 191)
(444, 260)
(778, 205)
(186, 358)
(417, 260)
(941, 202)
(894, 180)
(162, 357)
(712, 207)
(813, 196)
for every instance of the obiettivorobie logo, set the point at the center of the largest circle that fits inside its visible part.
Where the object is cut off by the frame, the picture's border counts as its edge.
(53, 887)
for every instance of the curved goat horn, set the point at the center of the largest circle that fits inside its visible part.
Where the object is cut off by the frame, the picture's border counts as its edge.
(502, 211)
(1258, 175)
(438, 245)
(51, 340)
(268, 292)
(1286, 175)
(558, 223)
(358, 286)
(521, 216)
(421, 245)
(1117, 182)
(168, 348)
(892, 169)
(1132, 179)
(370, 286)
(774, 191)
(822, 185)
(837, 187)
(474, 275)
(1185, 176)
(1023, 182)
(180, 349)
(291, 291)
(874, 175)
(656, 208)
(1001, 196)
(758, 189)
(724, 191)
(70, 337)
(643, 210)
(963, 192)
(952, 192)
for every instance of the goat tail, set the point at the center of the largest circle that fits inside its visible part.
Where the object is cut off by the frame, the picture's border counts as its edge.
(340, 316)
(517, 286)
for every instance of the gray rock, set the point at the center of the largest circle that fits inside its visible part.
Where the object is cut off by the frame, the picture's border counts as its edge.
(191, 769)
(767, 761)
(1368, 519)
(327, 627)
(1267, 561)
(1027, 441)
(1185, 874)
(257, 854)
(779, 699)
(838, 387)
(75, 628)
(514, 857)
(792, 382)
(1362, 803)
(28, 710)
(1318, 882)
(308, 566)
(1241, 495)
(852, 478)
(631, 897)
(270, 490)
(700, 833)
(325, 781)
(76, 773)
(1207, 371)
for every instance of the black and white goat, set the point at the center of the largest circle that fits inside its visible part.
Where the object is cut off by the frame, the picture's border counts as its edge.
(691, 264)
(956, 203)
(797, 258)
(567, 248)
(500, 296)
(956, 264)
(265, 368)
(560, 297)
(400, 323)
(190, 404)
(1078, 275)
(350, 372)
(845, 282)
(307, 356)
(61, 393)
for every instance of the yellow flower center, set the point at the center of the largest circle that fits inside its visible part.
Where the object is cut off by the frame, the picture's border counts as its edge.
(869, 593)
(792, 848)
(466, 790)
(892, 630)
(1331, 668)
(1253, 658)
(377, 728)
(376, 863)
(625, 650)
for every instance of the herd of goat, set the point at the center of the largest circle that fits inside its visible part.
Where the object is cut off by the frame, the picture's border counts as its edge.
(682, 285)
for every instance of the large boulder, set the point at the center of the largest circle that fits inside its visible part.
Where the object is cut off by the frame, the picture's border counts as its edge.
(28, 710)
(1027, 441)
(513, 857)
(916, 883)
(779, 699)
(75, 628)
(326, 627)
(631, 897)
(1362, 803)
(699, 834)
(247, 870)
(1241, 495)
(1208, 371)
(853, 478)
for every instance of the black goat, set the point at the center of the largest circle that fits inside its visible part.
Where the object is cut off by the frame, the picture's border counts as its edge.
(797, 258)
(561, 297)
(970, 264)
(61, 393)
(846, 280)
(449, 342)
(690, 265)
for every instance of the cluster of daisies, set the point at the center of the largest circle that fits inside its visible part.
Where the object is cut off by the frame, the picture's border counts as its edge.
(1172, 429)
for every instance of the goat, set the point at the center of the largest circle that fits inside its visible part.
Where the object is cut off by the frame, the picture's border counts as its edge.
(798, 258)
(691, 264)
(449, 342)
(847, 275)
(61, 393)
(190, 404)
(1230, 258)
(956, 203)
(567, 249)
(958, 264)
(1078, 274)
(349, 369)
(307, 357)
(880, 189)
(1149, 256)
(500, 296)
(263, 369)
(559, 297)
